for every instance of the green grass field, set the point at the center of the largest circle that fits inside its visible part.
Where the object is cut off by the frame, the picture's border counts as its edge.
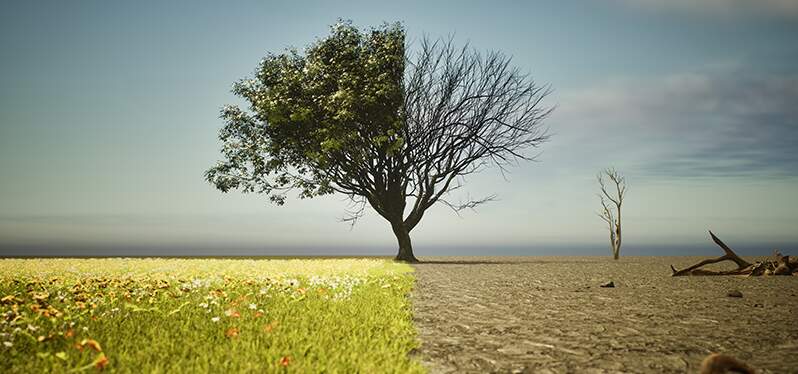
(205, 315)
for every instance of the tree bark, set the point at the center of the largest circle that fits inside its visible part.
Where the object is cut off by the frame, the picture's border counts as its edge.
(405, 246)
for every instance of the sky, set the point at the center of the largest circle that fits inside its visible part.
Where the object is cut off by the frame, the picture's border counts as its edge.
(109, 118)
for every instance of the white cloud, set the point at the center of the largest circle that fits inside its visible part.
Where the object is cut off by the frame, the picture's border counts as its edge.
(726, 122)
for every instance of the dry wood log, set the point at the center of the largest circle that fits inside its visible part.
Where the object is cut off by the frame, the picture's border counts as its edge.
(782, 265)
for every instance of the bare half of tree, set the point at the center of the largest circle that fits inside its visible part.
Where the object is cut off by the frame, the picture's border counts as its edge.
(779, 265)
(611, 202)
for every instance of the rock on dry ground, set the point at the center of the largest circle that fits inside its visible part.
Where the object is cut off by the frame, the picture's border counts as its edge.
(549, 315)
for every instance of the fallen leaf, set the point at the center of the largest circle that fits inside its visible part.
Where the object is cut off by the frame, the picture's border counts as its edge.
(231, 332)
(70, 333)
(285, 361)
(258, 314)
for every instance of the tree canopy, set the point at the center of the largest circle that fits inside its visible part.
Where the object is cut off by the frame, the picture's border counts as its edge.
(359, 115)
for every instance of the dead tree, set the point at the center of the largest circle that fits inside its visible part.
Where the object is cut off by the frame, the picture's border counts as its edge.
(611, 202)
(780, 265)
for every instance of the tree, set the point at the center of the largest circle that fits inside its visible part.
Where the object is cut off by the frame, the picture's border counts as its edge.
(360, 116)
(611, 201)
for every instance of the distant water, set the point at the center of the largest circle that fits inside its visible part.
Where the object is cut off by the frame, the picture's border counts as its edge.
(708, 249)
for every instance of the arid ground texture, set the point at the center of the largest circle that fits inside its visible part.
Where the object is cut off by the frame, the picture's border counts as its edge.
(549, 315)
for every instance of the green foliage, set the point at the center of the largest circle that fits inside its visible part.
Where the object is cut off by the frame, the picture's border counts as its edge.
(133, 316)
(315, 120)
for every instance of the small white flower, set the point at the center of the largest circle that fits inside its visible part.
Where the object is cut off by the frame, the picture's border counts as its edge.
(253, 306)
(32, 328)
(8, 344)
(215, 319)
(85, 328)
(203, 305)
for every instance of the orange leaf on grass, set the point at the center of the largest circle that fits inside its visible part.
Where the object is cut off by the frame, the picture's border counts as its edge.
(231, 332)
(258, 314)
(285, 360)
(70, 333)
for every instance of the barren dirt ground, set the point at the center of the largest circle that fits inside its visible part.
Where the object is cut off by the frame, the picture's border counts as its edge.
(547, 314)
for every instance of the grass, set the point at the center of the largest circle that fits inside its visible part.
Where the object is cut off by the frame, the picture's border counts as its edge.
(205, 315)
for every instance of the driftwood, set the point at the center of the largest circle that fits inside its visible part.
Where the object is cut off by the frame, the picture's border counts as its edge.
(780, 265)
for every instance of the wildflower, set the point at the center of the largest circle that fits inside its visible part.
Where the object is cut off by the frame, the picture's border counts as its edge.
(8, 344)
(232, 313)
(204, 305)
(91, 343)
(253, 306)
(101, 361)
(215, 319)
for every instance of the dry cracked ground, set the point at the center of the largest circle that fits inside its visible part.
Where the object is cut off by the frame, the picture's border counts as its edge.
(549, 315)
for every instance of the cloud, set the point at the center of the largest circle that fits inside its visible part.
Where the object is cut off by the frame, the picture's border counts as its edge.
(727, 122)
(724, 8)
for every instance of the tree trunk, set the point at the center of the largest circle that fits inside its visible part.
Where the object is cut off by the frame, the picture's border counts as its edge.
(405, 246)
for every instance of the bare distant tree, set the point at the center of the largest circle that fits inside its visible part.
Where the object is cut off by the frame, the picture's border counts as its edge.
(611, 201)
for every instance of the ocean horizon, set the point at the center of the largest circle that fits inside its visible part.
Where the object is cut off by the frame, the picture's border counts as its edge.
(172, 250)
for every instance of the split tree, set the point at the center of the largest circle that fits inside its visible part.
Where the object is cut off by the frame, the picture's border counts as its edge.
(360, 115)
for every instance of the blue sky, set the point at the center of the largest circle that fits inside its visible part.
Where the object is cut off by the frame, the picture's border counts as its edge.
(109, 116)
